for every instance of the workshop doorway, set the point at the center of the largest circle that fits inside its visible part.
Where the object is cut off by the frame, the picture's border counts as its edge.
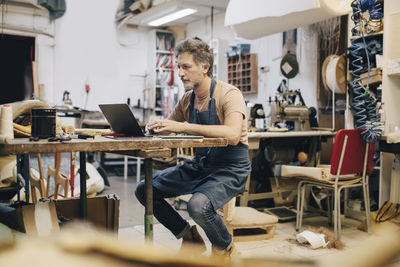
(16, 71)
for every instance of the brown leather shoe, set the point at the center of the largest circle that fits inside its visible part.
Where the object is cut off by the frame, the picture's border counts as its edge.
(193, 239)
(225, 255)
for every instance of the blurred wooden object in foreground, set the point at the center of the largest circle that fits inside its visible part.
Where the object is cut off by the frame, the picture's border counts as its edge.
(83, 246)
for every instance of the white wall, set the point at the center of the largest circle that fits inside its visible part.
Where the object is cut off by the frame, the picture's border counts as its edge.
(269, 50)
(90, 48)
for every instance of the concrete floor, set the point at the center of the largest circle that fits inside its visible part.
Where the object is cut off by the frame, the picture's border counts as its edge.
(281, 246)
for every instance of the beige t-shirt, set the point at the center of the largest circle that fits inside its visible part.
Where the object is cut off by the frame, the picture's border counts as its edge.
(228, 99)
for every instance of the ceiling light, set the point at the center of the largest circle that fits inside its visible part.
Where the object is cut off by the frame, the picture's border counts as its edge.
(171, 17)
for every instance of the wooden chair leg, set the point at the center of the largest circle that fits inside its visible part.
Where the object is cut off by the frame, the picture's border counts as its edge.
(298, 205)
(330, 207)
(336, 213)
(339, 222)
(367, 206)
(302, 199)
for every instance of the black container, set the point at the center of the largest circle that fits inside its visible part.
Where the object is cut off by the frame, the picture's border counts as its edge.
(43, 122)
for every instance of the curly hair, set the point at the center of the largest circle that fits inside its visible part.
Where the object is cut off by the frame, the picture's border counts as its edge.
(201, 52)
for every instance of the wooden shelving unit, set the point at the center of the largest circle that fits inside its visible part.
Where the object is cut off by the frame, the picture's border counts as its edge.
(242, 72)
(161, 74)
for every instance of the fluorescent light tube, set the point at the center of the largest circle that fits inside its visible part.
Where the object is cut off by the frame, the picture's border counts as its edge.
(173, 16)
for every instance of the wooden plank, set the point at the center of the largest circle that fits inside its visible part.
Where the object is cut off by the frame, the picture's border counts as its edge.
(23, 145)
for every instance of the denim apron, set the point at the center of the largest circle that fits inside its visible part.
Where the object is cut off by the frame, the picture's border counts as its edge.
(220, 173)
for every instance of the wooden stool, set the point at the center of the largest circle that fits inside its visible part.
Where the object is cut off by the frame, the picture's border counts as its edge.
(259, 224)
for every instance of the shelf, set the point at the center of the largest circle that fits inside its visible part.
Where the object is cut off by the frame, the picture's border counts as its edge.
(243, 72)
(161, 72)
(374, 77)
(397, 74)
(370, 35)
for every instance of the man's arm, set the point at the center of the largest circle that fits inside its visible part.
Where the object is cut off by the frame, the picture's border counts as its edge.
(231, 129)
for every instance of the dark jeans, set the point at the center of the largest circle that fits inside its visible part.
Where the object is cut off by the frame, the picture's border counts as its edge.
(199, 208)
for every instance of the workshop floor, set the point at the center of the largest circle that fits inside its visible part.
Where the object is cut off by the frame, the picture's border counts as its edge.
(282, 245)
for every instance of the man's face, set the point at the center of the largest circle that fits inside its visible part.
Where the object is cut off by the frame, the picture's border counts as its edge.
(191, 74)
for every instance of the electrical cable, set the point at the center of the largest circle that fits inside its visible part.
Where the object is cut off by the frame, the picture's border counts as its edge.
(373, 7)
(212, 23)
(364, 104)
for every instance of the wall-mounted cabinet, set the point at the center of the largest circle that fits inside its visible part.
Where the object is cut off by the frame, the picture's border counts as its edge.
(242, 72)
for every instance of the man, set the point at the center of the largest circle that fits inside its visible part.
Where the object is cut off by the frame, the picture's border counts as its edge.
(216, 175)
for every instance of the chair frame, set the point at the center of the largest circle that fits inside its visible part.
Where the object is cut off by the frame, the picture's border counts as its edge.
(337, 186)
(37, 182)
(60, 179)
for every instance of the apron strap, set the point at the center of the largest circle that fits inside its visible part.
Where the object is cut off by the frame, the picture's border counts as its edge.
(192, 109)
(211, 103)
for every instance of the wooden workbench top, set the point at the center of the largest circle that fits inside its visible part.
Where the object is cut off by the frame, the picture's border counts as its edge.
(23, 145)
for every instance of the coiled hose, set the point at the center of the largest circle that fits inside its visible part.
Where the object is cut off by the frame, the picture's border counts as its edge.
(364, 104)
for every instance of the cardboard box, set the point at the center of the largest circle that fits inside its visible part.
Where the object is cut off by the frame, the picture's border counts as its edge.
(35, 219)
(102, 211)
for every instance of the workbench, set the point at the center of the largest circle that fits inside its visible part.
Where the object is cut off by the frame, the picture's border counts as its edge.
(145, 147)
(254, 144)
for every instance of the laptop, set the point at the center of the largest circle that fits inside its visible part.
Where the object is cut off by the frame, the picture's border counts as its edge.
(121, 119)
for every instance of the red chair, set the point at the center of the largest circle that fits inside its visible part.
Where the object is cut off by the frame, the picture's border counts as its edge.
(351, 163)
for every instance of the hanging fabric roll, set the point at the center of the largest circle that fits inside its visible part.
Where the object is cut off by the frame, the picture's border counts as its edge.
(333, 74)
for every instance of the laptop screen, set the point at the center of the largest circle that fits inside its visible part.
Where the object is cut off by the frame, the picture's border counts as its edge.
(121, 119)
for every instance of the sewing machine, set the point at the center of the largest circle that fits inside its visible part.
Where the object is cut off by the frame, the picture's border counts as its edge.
(296, 115)
(299, 115)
